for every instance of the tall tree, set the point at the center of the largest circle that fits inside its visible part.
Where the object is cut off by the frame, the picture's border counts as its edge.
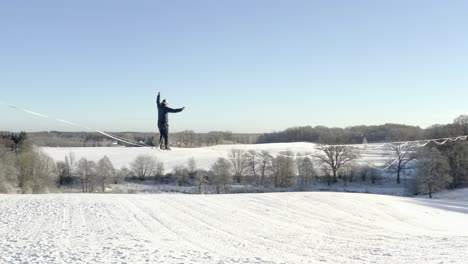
(87, 171)
(253, 162)
(106, 172)
(265, 166)
(201, 179)
(403, 154)
(461, 122)
(8, 170)
(182, 175)
(192, 167)
(335, 157)
(457, 154)
(305, 169)
(238, 159)
(283, 170)
(144, 166)
(221, 175)
(432, 171)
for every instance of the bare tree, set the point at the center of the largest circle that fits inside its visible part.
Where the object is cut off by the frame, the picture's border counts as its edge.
(265, 167)
(252, 161)
(375, 175)
(348, 171)
(335, 157)
(105, 171)
(159, 169)
(87, 171)
(37, 171)
(8, 170)
(221, 175)
(457, 153)
(45, 173)
(182, 175)
(62, 172)
(433, 171)
(201, 179)
(121, 174)
(283, 170)
(306, 171)
(403, 154)
(238, 159)
(70, 161)
(192, 167)
(462, 123)
(144, 166)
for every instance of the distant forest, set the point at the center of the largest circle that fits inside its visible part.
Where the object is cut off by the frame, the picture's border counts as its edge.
(188, 139)
(370, 134)
(317, 134)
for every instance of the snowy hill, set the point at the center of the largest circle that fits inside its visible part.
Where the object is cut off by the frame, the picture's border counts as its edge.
(122, 156)
(242, 228)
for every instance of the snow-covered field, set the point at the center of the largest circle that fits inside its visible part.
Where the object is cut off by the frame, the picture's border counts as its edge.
(301, 227)
(205, 157)
(241, 228)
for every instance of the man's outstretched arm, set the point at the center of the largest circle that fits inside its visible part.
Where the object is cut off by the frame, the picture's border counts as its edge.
(158, 99)
(172, 110)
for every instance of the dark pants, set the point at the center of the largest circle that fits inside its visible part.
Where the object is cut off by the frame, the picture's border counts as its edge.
(163, 134)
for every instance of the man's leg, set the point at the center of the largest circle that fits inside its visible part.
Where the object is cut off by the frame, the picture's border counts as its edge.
(166, 137)
(161, 134)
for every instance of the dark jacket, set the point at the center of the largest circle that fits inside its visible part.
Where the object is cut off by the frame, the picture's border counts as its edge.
(163, 116)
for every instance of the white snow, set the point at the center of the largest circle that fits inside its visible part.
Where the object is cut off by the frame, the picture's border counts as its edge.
(302, 227)
(458, 194)
(240, 228)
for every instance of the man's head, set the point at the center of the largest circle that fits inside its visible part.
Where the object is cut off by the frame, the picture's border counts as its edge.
(165, 102)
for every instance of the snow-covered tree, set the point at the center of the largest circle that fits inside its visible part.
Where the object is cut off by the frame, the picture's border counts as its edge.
(145, 165)
(182, 175)
(192, 167)
(306, 171)
(105, 171)
(87, 172)
(283, 170)
(221, 175)
(37, 171)
(121, 174)
(238, 159)
(8, 170)
(201, 179)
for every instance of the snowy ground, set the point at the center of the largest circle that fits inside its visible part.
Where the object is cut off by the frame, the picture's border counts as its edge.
(205, 157)
(241, 228)
(458, 195)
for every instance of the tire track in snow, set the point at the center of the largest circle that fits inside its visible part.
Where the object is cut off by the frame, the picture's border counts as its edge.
(250, 242)
(159, 220)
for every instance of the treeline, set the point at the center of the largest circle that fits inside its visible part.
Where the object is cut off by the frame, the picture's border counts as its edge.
(186, 138)
(364, 134)
(23, 167)
(239, 168)
(428, 169)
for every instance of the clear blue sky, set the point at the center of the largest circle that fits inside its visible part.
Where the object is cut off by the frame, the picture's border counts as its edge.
(239, 65)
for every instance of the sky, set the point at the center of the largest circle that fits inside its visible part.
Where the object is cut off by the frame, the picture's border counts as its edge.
(244, 66)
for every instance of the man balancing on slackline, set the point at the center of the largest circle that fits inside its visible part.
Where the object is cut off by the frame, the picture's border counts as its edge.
(163, 121)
